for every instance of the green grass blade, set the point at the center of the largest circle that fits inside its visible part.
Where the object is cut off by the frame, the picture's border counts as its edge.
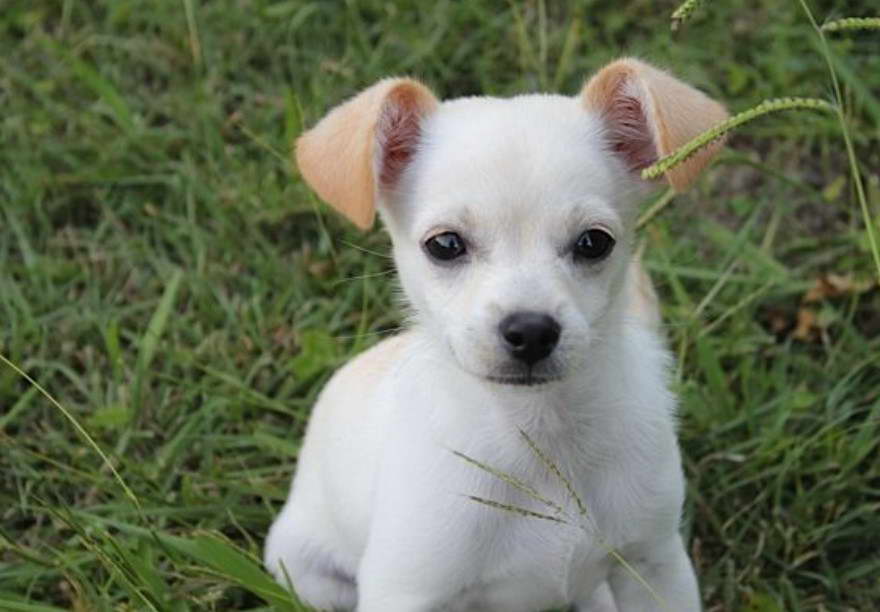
(513, 481)
(155, 329)
(234, 565)
(21, 606)
(525, 512)
(79, 428)
(554, 469)
(103, 88)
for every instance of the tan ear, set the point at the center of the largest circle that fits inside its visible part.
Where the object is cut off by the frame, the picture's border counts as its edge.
(362, 146)
(650, 113)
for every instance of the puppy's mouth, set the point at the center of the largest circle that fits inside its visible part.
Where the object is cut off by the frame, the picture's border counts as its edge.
(527, 380)
(515, 374)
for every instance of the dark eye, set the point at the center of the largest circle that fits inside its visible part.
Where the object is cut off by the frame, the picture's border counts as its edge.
(593, 244)
(445, 246)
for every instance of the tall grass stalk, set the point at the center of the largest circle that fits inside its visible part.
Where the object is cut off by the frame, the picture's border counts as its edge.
(847, 137)
(852, 23)
(700, 142)
(684, 12)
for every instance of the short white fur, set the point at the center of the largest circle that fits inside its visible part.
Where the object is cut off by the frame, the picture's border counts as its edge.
(378, 517)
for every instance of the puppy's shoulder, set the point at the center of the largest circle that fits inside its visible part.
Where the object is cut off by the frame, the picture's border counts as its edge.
(365, 371)
(351, 400)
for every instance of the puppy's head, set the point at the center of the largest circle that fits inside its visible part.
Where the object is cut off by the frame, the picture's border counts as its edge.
(511, 219)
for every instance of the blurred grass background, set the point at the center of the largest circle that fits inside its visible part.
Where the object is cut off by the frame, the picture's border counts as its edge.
(173, 284)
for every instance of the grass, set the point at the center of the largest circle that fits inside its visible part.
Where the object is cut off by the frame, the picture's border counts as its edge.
(176, 288)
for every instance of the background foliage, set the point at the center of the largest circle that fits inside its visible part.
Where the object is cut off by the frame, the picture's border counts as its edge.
(175, 286)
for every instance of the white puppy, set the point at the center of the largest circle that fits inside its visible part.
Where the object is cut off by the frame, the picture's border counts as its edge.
(512, 225)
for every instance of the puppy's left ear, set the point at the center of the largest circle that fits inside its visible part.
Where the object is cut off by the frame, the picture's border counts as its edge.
(358, 151)
(649, 113)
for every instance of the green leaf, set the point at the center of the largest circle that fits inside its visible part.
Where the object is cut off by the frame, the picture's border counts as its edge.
(234, 565)
(158, 321)
(318, 351)
(834, 189)
(803, 398)
(763, 602)
(103, 88)
(113, 416)
(20, 606)
(155, 328)
(280, 447)
(142, 562)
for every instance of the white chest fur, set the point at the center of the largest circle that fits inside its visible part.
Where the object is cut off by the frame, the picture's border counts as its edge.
(616, 452)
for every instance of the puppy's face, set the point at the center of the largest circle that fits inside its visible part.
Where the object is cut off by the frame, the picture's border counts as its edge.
(511, 219)
(511, 230)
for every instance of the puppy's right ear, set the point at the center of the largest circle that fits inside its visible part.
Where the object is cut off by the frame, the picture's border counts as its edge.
(363, 145)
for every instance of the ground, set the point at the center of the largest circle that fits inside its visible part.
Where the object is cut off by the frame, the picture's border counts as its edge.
(169, 280)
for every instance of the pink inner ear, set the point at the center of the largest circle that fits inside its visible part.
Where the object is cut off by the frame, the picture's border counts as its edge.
(629, 133)
(398, 135)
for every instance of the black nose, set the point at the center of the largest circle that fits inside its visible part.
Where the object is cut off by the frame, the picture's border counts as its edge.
(530, 336)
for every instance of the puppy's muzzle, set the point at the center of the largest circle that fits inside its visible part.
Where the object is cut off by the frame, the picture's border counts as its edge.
(530, 336)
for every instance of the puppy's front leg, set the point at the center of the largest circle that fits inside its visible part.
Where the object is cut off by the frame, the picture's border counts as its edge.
(663, 565)
(600, 600)
(426, 543)
(394, 577)
(394, 602)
